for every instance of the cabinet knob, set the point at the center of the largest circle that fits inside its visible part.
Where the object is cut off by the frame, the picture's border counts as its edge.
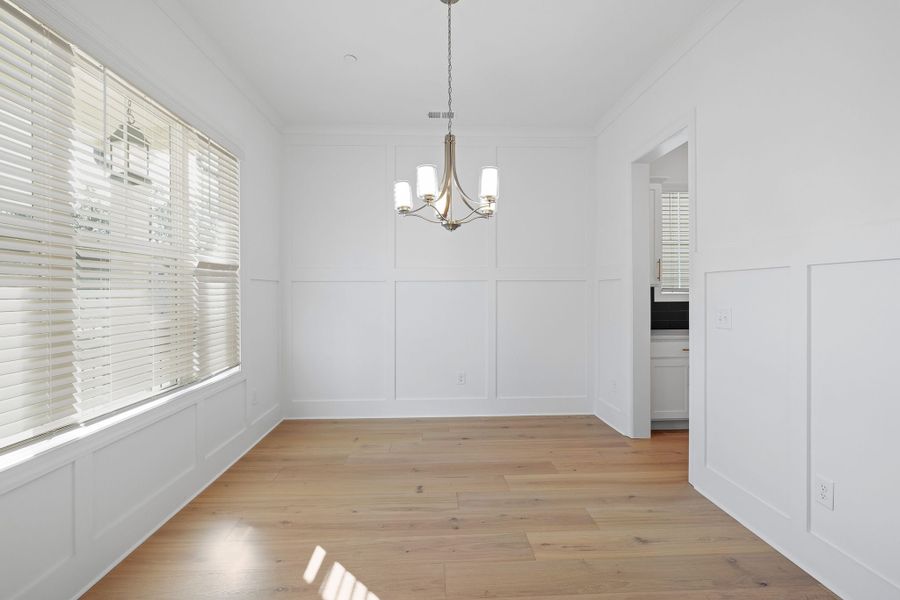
(685, 349)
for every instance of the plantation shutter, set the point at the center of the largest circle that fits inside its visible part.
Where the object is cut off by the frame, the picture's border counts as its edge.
(675, 243)
(119, 241)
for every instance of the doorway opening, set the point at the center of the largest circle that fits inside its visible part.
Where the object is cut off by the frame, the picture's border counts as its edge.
(662, 235)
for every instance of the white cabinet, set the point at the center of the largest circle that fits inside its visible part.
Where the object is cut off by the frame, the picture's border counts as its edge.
(669, 376)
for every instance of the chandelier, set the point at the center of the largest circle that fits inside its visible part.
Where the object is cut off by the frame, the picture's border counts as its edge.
(439, 197)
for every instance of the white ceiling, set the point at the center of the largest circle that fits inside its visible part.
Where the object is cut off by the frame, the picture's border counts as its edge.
(517, 63)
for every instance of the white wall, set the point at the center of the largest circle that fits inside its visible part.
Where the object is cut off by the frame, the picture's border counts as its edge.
(802, 96)
(384, 313)
(674, 166)
(72, 512)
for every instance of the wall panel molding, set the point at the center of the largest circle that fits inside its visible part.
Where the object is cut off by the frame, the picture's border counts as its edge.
(433, 262)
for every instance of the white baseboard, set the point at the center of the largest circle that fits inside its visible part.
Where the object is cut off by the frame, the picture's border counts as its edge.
(431, 407)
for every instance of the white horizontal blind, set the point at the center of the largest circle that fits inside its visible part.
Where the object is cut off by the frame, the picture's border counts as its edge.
(215, 214)
(675, 233)
(119, 240)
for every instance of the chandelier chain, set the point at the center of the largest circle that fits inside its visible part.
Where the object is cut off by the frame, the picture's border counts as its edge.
(450, 67)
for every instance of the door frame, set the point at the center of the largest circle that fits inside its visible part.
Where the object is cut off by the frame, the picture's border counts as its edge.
(680, 132)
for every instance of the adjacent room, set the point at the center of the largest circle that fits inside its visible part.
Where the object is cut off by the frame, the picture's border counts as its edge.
(449, 299)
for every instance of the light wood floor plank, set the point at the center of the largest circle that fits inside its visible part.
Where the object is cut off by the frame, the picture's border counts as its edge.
(536, 508)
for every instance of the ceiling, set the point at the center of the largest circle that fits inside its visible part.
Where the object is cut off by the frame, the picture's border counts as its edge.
(517, 63)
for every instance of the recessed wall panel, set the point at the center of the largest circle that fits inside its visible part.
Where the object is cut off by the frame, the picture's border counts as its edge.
(854, 334)
(262, 345)
(542, 213)
(338, 206)
(442, 339)
(37, 529)
(338, 340)
(131, 471)
(747, 382)
(542, 334)
(222, 417)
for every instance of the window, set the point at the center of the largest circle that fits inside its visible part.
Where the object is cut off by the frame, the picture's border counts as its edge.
(674, 245)
(119, 241)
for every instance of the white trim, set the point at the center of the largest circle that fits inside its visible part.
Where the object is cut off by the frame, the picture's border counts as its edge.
(438, 131)
(504, 406)
(184, 20)
(682, 131)
(708, 22)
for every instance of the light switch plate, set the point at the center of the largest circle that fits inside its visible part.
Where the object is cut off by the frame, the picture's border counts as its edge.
(723, 318)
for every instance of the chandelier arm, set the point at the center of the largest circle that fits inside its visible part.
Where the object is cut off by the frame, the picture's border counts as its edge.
(409, 212)
(469, 216)
(472, 217)
(437, 212)
(423, 218)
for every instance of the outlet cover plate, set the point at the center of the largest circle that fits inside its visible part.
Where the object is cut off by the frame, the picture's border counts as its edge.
(823, 492)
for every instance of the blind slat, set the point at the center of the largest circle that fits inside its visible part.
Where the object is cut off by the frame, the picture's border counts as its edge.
(119, 240)
(675, 242)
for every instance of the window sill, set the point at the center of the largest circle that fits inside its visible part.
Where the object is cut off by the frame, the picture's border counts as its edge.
(43, 447)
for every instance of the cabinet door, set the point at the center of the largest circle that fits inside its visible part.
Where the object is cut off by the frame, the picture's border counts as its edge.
(669, 388)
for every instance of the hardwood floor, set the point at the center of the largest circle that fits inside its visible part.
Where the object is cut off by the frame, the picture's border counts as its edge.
(544, 508)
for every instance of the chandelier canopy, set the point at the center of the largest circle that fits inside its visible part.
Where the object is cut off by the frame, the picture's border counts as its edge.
(437, 196)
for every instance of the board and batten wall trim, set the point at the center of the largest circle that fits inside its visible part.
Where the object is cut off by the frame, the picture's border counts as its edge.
(383, 314)
(798, 240)
(73, 512)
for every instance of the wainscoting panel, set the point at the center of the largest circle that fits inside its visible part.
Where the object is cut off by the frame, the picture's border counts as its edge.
(542, 338)
(442, 339)
(338, 332)
(854, 331)
(612, 362)
(388, 315)
(747, 382)
(223, 417)
(544, 223)
(37, 541)
(129, 472)
(341, 221)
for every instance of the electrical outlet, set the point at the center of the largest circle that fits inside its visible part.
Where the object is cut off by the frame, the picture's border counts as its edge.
(723, 318)
(823, 491)
(461, 378)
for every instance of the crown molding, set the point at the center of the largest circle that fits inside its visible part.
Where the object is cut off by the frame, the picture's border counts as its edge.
(72, 23)
(474, 131)
(184, 20)
(709, 21)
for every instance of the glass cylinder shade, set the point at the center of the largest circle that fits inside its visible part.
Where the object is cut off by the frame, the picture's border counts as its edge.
(488, 190)
(489, 186)
(426, 182)
(402, 196)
